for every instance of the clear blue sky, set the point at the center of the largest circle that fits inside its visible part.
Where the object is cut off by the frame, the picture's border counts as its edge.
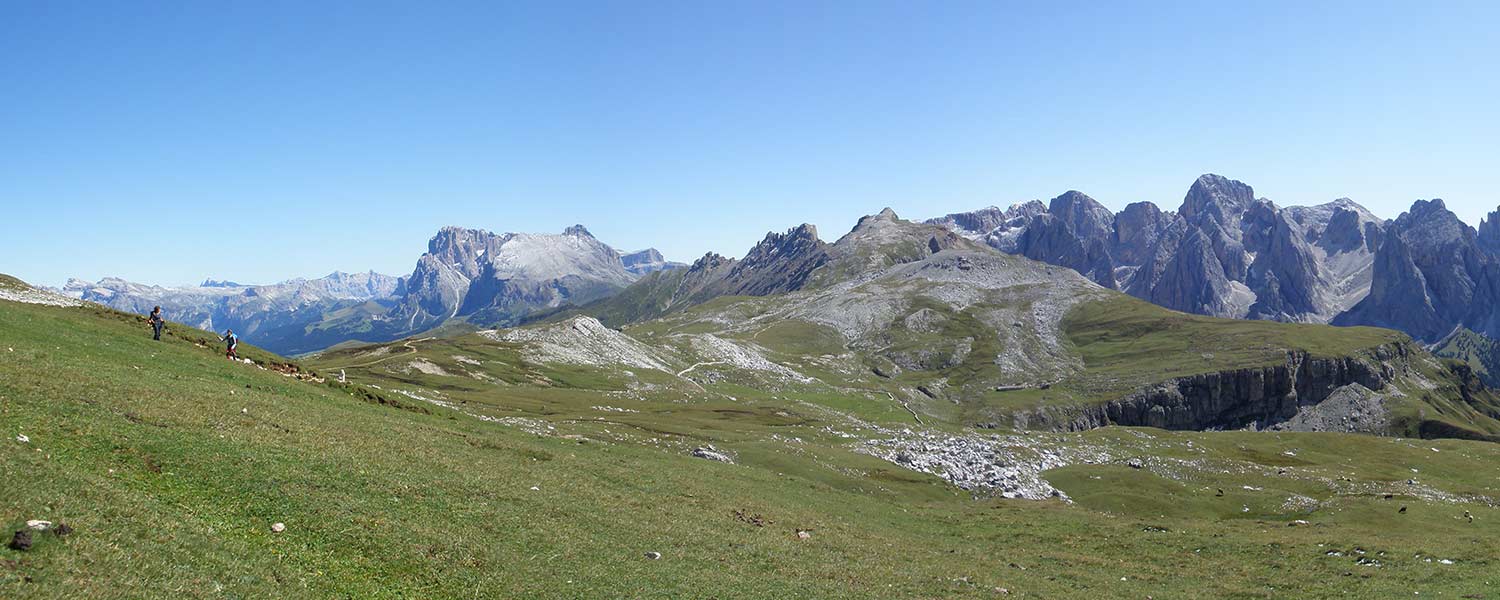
(259, 141)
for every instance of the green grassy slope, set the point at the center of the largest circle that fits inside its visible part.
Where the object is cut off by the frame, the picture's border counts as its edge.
(171, 463)
(1481, 353)
(648, 298)
(1122, 344)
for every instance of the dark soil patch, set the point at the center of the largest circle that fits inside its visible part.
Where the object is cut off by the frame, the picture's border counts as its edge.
(749, 518)
(21, 540)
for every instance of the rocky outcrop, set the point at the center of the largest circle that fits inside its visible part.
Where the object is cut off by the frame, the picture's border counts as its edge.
(1431, 274)
(1084, 217)
(1285, 273)
(500, 278)
(643, 262)
(1489, 233)
(581, 341)
(1192, 280)
(980, 222)
(1137, 230)
(1050, 239)
(782, 262)
(1224, 253)
(1255, 398)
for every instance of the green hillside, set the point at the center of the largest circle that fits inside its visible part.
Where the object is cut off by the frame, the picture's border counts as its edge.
(171, 463)
(1480, 353)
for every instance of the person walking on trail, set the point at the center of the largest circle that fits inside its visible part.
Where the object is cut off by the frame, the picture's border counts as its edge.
(157, 323)
(231, 345)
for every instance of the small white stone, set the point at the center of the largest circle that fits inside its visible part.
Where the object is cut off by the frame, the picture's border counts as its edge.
(278, 527)
(21, 437)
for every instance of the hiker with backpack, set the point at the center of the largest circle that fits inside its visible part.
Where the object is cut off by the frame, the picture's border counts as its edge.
(232, 344)
(157, 323)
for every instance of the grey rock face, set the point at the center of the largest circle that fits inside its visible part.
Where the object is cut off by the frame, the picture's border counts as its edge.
(1347, 231)
(1193, 279)
(1489, 233)
(1431, 274)
(1224, 253)
(994, 226)
(1258, 398)
(497, 279)
(1218, 199)
(1050, 239)
(1285, 274)
(1085, 218)
(646, 261)
(1136, 231)
(782, 262)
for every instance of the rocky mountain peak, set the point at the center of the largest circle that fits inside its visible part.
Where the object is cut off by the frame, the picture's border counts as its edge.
(885, 216)
(781, 262)
(1084, 216)
(1431, 272)
(1489, 233)
(450, 240)
(1429, 223)
(710, 261)
(647, 255)
(1425, 208)
(1137, 229)
(795, 240)
(578, 231)
(1217, 197)
(977, 224)
(646, 261)
(1348, 230)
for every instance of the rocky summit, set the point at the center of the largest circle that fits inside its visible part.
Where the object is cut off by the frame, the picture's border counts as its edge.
(1223, 252)
(498, 278)
(1432, 273)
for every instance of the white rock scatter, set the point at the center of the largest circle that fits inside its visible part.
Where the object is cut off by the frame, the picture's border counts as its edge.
(426, 366)
(715, 350)
(1009, 466)
(582, 341)
(36, 296)
(711, 453)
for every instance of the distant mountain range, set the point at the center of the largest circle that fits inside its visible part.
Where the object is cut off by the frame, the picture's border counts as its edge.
(467, 275)
(1223, 252)
(283, 316)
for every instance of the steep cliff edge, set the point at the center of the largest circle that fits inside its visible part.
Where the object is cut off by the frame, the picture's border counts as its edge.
(1387, 390)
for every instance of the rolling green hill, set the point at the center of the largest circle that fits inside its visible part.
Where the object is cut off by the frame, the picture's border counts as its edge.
(478, 473)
